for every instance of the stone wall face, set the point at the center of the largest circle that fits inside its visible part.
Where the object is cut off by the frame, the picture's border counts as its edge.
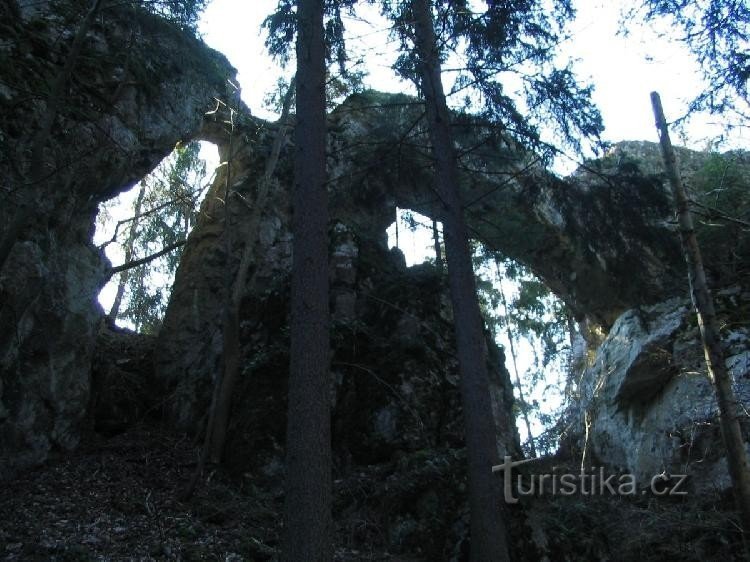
(603, 240)
(647, 399)
(393, 370)
(118, 119)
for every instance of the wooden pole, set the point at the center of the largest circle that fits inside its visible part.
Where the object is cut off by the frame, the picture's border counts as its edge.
(737, 457)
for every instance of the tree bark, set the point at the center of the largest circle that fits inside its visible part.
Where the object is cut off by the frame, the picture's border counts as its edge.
(488, 536)
(737, 457)
(115, 310)
(398, 218)
(438, 251)
(307, 508)
(151, 257)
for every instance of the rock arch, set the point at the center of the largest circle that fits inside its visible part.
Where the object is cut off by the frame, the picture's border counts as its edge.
(121, 117)
(583, 236)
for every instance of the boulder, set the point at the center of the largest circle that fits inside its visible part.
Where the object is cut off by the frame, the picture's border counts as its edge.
(646, 405)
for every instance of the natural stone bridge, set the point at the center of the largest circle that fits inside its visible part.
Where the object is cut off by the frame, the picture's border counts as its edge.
(600, 239)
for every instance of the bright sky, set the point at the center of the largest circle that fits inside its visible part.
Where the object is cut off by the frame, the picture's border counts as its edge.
(624, 70)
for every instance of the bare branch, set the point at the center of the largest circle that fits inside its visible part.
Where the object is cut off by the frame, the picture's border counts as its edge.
(147, 259)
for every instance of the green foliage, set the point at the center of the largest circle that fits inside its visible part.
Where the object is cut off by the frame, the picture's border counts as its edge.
(169, 211)
(538, 324)
(282, 30)
(721, 193)
(183, 13)
(281, 27)
(716, 32)
(504, 43)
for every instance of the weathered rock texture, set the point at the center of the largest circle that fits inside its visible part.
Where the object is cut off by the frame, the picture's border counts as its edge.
(603, 240)
(138, 87)
(393, 368)
(646, 405)
(397, 430)
(583, 235)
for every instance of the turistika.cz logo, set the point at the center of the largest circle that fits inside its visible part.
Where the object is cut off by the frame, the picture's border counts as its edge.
(594, 482)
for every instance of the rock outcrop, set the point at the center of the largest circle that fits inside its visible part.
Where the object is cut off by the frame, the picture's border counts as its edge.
(581, 235)
(138, 87)
(603, 240)
(646, 405)
(393, 373)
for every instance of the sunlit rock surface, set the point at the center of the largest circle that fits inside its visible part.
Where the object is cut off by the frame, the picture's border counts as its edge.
(646, 404)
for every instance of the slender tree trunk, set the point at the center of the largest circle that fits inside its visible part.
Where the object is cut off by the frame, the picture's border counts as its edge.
(115, 310)
(438, 250)
(228, 352)
(572, 359)
(307, 508)
(737, 457)
(397, 221)
(488, 537)
(509, 333)
(232, 327)
(37, 171)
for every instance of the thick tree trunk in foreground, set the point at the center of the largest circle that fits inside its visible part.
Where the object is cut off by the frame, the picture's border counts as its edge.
(739, 466)
(307, 509)
(488, 539)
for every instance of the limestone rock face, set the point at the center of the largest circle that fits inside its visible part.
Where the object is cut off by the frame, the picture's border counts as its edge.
(585, 236)
(393, 370)
(138, 87)
(647, 400)
(603, 239)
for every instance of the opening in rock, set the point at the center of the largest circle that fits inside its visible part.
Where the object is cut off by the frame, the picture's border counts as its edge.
(414, 235)
(143, 230)
(537, 333)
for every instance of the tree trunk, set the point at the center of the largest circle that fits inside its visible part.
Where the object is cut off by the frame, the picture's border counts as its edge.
(488, 538)
(115, 310)
(229, 353)
(398, 217)
(232, 347)
(737, 457)
(438, 251)
(37, 171)
(307, 507)
(509, 333)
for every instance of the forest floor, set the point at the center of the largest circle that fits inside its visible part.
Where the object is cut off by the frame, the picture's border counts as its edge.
(117, 499)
